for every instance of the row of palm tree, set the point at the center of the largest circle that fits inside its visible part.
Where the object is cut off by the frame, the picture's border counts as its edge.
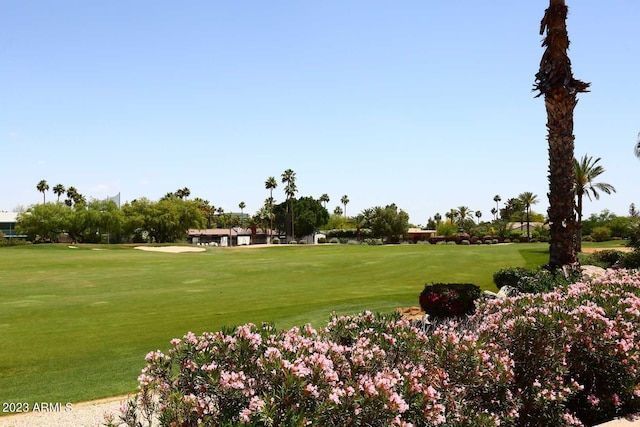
(586, 170)
(73, 195)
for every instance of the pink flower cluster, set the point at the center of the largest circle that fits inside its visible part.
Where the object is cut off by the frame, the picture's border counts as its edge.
(563, 358)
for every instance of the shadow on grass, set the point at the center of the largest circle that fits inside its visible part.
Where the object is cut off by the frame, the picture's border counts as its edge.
(534, 257)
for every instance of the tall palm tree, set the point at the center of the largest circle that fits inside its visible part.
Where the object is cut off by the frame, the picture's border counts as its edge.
(345, 201)
(325, 199)
(42, 187)
(59, 190)
(451, 215)
(289, 178)
(497, 199)
(242, 205)
(586, 171)
(527, 199)
(270, 184)
(462, 213)
(555, 81)
(183, 193)
(478, 215)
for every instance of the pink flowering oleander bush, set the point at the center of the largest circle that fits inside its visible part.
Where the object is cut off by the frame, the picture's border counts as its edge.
(363, 370)
(576, 350)
(570, 357)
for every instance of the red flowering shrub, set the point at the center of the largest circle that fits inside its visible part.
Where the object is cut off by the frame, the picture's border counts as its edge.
(442, 300)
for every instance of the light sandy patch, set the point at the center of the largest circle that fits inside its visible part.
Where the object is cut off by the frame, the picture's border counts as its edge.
(83, 414)
(617, 248)
(171, 249)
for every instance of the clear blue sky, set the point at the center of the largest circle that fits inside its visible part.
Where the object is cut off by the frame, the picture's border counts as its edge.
(426, 104)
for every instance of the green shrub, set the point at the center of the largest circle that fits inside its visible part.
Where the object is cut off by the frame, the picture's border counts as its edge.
(275, 241)
(533, 281)
(372, 242)
(447, 229)
(601, 234)
(465, 242)
(546, 281)
(585, 259)
(441, 242)
(495, 241)
(630, 260)
(302, 242)
(451, 242)
(334, 240)
(442, 300)
(608, 256)
(293, 242)
(344, 240)
(488, 241)
(510, 276)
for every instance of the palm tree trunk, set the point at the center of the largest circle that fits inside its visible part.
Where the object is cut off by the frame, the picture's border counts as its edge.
(579, 226)
(560, 105)
(555, 81)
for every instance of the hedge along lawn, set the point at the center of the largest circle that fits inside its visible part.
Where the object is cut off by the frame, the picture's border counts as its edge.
(75, 324)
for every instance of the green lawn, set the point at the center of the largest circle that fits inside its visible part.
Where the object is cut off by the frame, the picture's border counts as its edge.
(75, 324)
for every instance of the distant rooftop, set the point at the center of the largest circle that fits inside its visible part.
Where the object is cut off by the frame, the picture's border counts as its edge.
(8, 216)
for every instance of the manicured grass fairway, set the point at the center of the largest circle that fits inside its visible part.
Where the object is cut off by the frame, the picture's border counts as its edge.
(75, 324)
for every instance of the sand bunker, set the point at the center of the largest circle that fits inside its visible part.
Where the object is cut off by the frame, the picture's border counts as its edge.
(171, 249)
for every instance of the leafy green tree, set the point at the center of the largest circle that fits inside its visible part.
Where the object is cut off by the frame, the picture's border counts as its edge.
(290, 190)
(586, 171)
(59, 190)
(597, 220)
(388, 223)
(43, 187)
(601, 234)
(446, 229)
(44, 222)
(336, 221)
(310, 215)
(164, 221)
(555, 81)
(527, 199)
